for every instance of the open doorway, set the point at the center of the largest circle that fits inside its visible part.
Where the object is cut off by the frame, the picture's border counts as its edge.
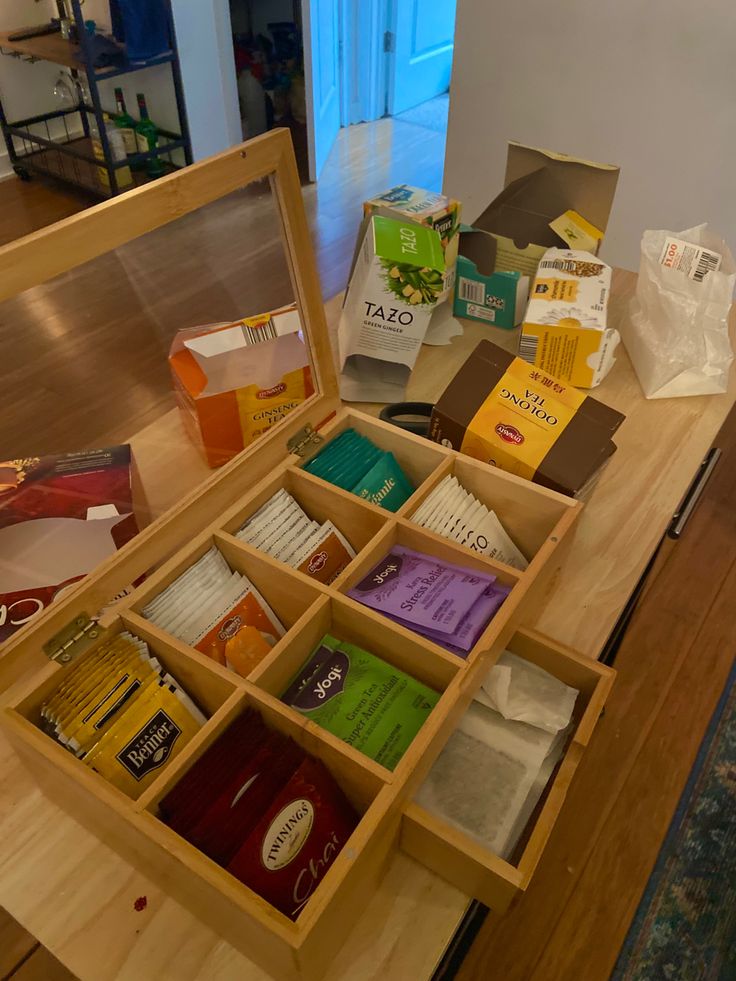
(317, 66)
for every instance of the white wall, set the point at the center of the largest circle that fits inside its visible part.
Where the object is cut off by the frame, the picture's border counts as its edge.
(647, 85)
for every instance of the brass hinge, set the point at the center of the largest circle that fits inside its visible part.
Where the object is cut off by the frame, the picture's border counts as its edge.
(76, 638)
(305, 442)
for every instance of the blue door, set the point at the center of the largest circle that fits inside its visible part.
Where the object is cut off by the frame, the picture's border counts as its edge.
(421, 42)
(322, 78)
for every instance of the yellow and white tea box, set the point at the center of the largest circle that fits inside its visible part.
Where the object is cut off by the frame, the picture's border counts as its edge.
(565, 330)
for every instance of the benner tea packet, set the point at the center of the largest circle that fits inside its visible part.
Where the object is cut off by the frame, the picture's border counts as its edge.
(121, 713)
(259, 806)
(283, 530)
(351, 461)
(367, 702)
(445, 603)
(219, 612)
(449, 510)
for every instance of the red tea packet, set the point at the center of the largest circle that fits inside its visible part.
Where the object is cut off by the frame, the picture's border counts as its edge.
(297, 840)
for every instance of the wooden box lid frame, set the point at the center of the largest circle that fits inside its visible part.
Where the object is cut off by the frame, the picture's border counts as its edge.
(59, 248)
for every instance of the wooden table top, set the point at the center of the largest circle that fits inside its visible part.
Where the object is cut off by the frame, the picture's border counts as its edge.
(80, 904)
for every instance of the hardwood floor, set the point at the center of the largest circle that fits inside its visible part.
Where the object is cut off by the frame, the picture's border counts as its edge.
(22, 958)
(673, 665)
(85, 356)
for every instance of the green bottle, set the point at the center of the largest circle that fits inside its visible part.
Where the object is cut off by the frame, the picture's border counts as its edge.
(126, 124)
(147, 136)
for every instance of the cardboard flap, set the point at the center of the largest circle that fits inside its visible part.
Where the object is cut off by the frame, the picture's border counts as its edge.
(587, 187)
(480, 248)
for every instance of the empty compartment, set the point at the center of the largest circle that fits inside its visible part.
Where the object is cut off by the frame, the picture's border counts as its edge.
(461, 613)
(237, 624)
(125, 719)
(529, 514)
(275, 813)
(417, 457)
(510, 790)
(376, 704)
(283, 535)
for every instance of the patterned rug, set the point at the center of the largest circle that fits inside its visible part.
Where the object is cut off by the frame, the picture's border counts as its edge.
(685, 927)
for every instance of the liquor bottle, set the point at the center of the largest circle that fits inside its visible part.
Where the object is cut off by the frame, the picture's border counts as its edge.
(126, 124)
(123, 176)
(147, 136)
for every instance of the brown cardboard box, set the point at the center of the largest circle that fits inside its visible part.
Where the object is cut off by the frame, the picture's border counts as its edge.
(543, 187)
(506, 412)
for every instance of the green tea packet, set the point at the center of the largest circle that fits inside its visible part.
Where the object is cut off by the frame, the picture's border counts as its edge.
(384, 484)
(365, 701)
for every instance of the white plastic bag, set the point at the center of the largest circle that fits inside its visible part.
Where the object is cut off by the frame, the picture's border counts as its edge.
(677, 336)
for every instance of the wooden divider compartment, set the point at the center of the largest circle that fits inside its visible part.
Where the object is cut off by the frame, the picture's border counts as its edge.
(530, 518)
(461, 859)
(417, 457)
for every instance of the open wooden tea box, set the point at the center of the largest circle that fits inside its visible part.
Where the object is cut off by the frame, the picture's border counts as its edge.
(33, 663)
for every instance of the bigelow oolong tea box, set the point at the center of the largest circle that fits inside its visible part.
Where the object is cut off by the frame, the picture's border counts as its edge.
(396, 280)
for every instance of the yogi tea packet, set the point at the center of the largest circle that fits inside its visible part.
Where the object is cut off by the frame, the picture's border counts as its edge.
(395, 283)
(354, 463)
(446, 603)
(368, 703)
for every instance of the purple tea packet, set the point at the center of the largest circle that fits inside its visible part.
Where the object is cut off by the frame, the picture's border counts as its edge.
(424, 592)
(471, 626)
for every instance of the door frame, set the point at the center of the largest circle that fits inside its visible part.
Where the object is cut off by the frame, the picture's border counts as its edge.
(364, 59)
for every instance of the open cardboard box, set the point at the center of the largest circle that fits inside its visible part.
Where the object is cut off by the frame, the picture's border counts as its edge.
(548, 199)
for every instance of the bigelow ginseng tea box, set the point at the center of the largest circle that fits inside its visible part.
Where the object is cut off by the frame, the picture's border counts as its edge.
(508, 413)
(396, 281)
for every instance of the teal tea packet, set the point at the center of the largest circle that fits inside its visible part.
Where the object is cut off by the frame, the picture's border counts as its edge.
(384, 484)
(354, 463)
(363, 700)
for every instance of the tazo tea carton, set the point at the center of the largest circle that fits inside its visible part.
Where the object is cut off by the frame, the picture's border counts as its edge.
(234, 381)
(565, 330)
(427, 208)
(396, 280)
(510, 414)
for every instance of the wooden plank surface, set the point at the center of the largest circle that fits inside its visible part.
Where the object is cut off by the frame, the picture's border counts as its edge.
(47, 47)
(672, 666)
(628, 510)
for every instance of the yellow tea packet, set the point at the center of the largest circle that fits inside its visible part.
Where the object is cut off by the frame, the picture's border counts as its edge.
(150, 732)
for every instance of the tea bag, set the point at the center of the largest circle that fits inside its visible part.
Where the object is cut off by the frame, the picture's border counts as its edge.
(354, 463)
(521, 690)
(367, 702)
(209, 605)
(449, 510)
(493, 770)
(284, 531)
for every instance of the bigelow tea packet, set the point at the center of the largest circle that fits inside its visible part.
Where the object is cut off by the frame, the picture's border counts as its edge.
(395, 283)
(121, 714)
(283, 530)
(428, 208)
(367, 702)
(565, 330)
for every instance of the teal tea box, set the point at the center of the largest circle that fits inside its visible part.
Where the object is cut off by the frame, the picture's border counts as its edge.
(482, 292)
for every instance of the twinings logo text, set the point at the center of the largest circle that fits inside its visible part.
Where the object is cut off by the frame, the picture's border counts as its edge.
(287, 834)
(317, 562)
